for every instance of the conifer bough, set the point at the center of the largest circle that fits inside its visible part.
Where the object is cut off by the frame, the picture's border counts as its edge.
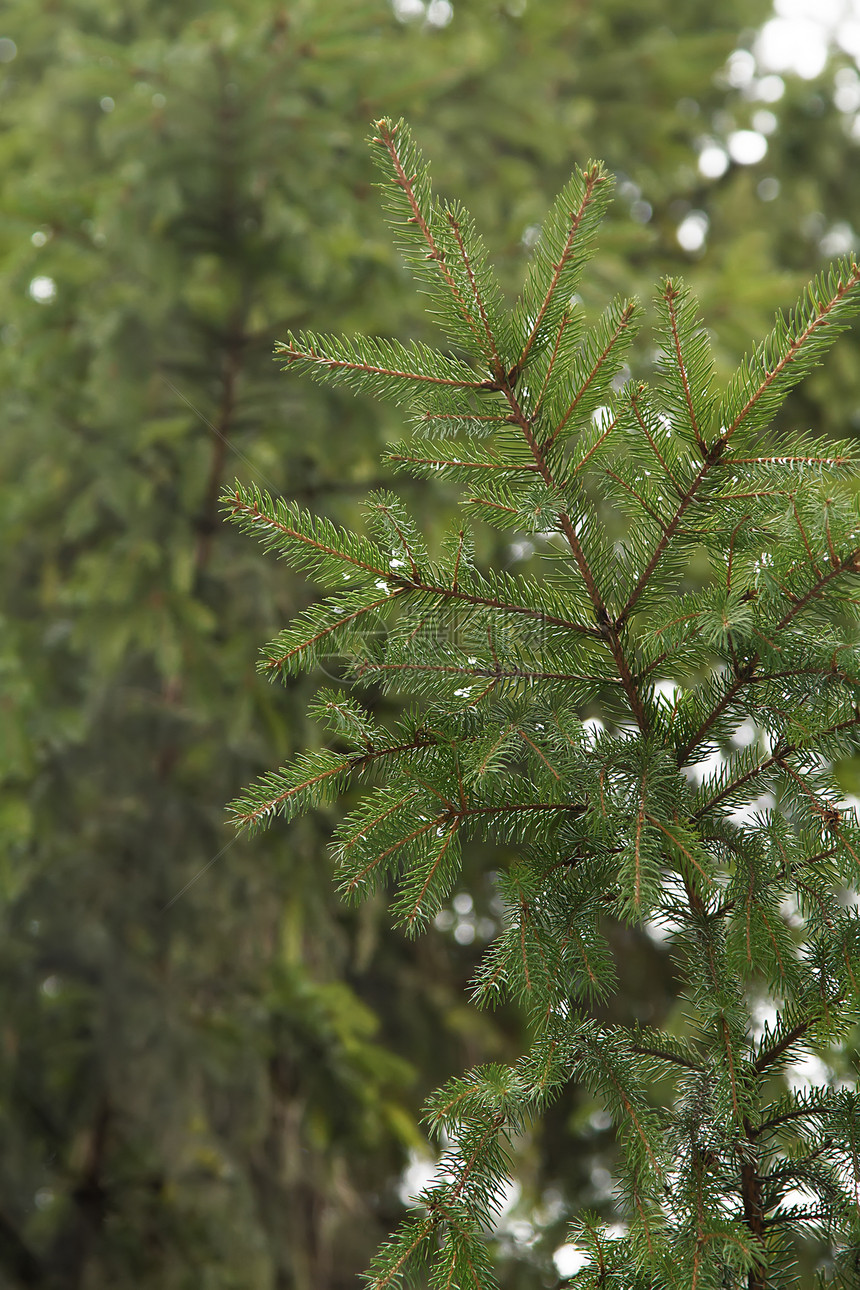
(709, 804)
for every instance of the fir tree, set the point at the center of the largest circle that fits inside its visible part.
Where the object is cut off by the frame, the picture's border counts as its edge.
(705, 797)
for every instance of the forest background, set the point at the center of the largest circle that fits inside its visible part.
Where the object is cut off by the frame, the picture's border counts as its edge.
(210, 1070)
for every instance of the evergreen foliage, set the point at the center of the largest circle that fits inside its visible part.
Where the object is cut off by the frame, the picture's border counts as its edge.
(704, 799)
(190, 181)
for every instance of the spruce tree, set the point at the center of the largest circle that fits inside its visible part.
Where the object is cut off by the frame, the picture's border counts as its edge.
(704, 797)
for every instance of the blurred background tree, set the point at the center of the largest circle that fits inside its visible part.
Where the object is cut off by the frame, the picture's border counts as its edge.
(209, 1070)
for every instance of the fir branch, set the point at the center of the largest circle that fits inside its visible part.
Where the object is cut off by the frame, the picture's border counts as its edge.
(384, 508)
(441, 245)
(257, 515)
(465, 465)
(489, 342)
(609, 630)
(674, 1059)
(395, 1270)
(456, 594)
(287, 660)
(768, 1056)
(676, 842)
(279, 523)
(645, 506)
(745, 519)
(247, 818)
(617, 326)
(727, 1047)
(804, 538)
(265, 805)
(676, 304)
(787, 1117)
(732, 786)
(374, 821)
(387, 139)
(821, 317)
(375, 367)
(776, 362)
(746, 675)
(687, 500)
(433, 869)
(634, 399)
(527, 675)
(420, 831)
(537, 750)
(597, 443)
(459, 422)
(592, 179)
(565, 324)
(628, 818)
(848, 564)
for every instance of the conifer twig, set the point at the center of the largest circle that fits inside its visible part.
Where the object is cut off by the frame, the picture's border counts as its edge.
(621, 815)
(592, 179)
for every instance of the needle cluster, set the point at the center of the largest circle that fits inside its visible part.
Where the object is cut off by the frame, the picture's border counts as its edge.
(705, 798)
